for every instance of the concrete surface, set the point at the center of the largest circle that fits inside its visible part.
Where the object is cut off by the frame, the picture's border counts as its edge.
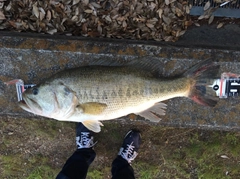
(34, 57)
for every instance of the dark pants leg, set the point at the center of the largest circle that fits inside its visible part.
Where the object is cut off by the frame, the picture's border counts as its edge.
(76, 166)
(121, 169)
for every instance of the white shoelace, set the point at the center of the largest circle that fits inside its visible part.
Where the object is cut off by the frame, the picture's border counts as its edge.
(85, 141)
(129, 154)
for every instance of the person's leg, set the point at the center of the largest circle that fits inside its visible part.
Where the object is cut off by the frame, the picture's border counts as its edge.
(121, 168)
(76, 166)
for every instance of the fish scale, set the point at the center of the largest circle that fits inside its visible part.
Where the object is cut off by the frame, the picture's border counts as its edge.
(95, 93)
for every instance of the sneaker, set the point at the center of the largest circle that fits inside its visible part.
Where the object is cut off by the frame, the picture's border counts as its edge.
(130, 145)
(84, 137)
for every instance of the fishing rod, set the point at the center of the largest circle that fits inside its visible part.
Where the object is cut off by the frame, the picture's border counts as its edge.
(227, 86)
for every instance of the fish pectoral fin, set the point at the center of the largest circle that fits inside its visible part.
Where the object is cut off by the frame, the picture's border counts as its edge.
(93, 125)
(153, 113)
(93, 108)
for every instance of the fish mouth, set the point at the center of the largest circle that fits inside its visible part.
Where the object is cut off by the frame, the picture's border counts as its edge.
(30, 106)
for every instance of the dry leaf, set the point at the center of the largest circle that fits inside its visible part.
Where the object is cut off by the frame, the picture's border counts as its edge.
(53, 31)
(64, 19)
(160, 11)
(74, 19)
(49, 15)
(89, 11)
(166, 20)
(41, 16)
(9, 6)
(42, 10)
(187, 9)
(210, 20)
(124, 24)
(207, 5)
(197, 24)
(35, 10)
(201, 17)
(108, 18)
(99, 28)
(188, 23)
(168, 38)
(220, 25)
(182, 33)
(96, 5)
(149, 25)
(2, 16)
(75, 2)
(167, 2)
(1, 4)
(137, 19)
(85, 2)
(224, 156)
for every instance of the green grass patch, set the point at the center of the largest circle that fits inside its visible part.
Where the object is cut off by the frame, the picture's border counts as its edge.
(34, 167)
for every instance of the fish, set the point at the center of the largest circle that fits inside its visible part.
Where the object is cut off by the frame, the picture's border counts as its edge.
(91, 94)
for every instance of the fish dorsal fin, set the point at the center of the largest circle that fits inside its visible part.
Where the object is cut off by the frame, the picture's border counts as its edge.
(153, 112)
(93, 125)
(146, 63)
(150, 64)
(93, 108)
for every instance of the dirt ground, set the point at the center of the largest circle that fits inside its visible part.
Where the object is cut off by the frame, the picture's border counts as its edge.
(38, 148)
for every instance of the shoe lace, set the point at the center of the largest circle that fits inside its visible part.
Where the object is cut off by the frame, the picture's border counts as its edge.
(84, 141)
(128, 154)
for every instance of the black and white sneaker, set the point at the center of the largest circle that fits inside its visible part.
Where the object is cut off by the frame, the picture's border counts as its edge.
(84, 137)
(130, 145)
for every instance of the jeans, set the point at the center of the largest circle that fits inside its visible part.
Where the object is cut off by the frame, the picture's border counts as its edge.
(76, 166)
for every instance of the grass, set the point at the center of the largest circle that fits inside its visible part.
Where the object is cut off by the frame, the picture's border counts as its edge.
(165, 152)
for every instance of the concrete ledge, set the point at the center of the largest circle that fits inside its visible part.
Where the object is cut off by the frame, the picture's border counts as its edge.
(34, 58)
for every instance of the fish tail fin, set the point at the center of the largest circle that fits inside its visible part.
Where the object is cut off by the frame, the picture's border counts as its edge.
(203, 75)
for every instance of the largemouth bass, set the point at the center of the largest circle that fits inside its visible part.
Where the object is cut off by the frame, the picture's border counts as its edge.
(92, 94)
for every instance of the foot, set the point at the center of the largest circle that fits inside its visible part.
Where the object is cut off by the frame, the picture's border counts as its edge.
(130, 145)
(84, 137)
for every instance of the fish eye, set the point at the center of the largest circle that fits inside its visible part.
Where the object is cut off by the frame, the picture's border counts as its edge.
(35, 91)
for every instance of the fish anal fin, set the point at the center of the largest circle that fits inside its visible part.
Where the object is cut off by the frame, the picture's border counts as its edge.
(93, 108)
(154, 112)
(93, 125)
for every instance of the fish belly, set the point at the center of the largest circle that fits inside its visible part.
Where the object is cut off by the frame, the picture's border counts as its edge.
(123, 91)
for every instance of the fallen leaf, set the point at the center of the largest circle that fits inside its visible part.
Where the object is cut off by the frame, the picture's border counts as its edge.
(168, 38)
(89, 11)
(201, 17)
(1, 4)
(210, 20)
(181, 33)
(188, 23)
(160, 11)
(53, 31)
(220, 25)
(124, 24)
(167, 20)
(207, 5)
(2, 16)
(35, 10)
(149, 25)
(197, 24)
(75, 2)
(99, 28)
(187, 9)
(41, 16)
(96, 5)
(49, 15)
(224, 156)
(167, 2)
